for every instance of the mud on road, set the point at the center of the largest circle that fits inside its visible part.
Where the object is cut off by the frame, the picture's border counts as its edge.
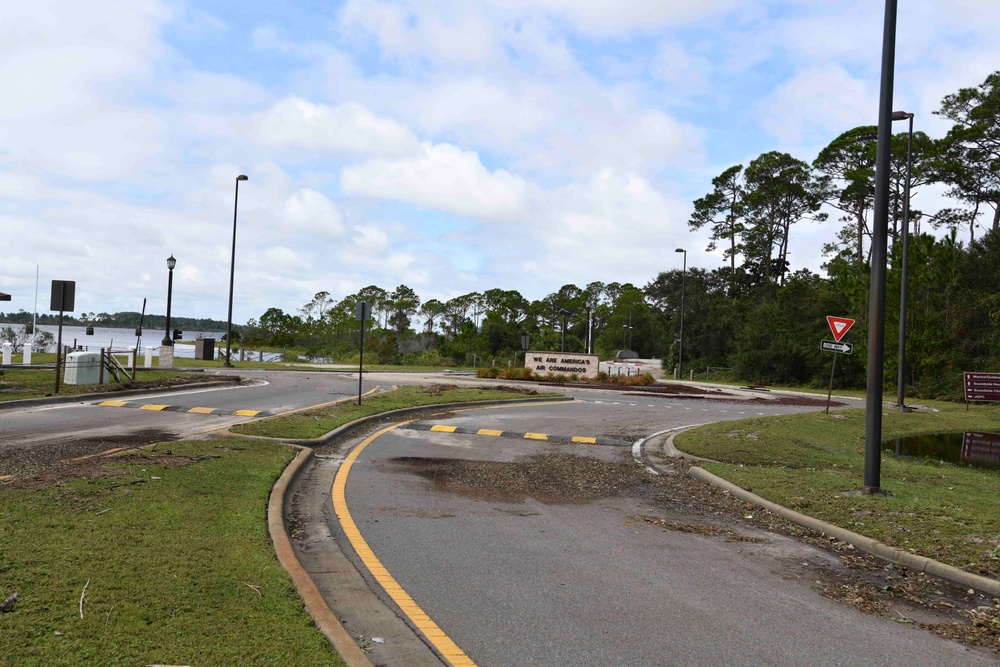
(685, 504)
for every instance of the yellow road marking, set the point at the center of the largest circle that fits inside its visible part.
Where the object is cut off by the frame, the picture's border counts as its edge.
(584, 439)
(535, 436)
(443, 429)
(202, 411)
(247, 413)
(435, 635)
(113, 404)
(489, 431)
(91, 456)
(153, 406)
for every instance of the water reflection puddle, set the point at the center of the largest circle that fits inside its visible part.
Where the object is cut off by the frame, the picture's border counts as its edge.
(972, 447)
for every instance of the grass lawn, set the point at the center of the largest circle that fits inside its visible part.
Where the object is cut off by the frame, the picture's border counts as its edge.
(813, 462)
(315, 423)
(174, 555)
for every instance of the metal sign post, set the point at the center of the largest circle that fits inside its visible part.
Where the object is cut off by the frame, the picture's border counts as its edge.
(839, 326)
(62, 299)
(363, 311)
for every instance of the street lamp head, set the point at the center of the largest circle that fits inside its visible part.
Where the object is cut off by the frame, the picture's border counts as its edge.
(242, 177)
(171, 262)
(901, 115)
(680, 250)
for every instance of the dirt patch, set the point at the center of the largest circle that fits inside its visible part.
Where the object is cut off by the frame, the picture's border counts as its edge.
(45, 462)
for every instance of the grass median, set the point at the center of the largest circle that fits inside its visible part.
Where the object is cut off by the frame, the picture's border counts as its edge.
(39, 383)
(161, 555)
(320, 421)
(814, 463)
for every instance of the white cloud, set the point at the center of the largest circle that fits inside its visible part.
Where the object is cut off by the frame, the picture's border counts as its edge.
(824, 99)
(312, 212)
(348, 127)
(443, 177)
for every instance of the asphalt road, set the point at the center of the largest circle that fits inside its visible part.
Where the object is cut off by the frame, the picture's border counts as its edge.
(34, 438)
(518, 571)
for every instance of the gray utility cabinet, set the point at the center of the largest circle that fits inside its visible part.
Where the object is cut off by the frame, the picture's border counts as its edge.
(204, 349)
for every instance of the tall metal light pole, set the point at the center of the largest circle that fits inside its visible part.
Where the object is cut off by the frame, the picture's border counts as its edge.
(900, 382)
(171, 263)
(680, 354)
(880, 223)
(232, 274)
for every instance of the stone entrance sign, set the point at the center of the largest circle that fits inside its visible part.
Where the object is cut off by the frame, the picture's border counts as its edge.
(565, 363)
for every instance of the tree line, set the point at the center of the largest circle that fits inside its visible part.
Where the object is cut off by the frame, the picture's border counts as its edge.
(754, 315)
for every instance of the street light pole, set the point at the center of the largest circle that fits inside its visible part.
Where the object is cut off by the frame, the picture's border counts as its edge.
(900, 380)
(171, 263)
(680, 353)
(232, 274)
(880, 223)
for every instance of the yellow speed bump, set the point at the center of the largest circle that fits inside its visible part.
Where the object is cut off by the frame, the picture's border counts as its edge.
(536, 436)
(489, 431)
(153, 406)
(247, 413)
(584, 440)
(113, 404)
(443, 429)
(202, 411)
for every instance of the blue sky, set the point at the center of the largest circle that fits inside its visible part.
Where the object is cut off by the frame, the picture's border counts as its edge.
(447, 145)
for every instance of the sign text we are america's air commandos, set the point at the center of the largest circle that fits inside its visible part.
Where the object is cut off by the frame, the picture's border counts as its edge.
(564, 363)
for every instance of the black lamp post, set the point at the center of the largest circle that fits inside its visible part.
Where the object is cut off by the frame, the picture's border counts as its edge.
(232, 274)
(680, 353)
(900, 384)
(171, 263)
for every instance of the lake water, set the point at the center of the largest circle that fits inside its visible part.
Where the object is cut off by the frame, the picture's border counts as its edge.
(971, 447)
(122, 339)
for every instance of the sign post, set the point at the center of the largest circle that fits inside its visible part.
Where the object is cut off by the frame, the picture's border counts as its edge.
(362, 311)
(63, 299)
(839, 326)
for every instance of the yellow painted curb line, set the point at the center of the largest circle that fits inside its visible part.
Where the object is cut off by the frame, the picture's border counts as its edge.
(435, 635)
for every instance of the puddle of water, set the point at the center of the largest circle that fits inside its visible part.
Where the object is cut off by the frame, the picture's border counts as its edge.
(971, 447)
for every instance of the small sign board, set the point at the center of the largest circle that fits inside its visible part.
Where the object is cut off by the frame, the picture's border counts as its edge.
(833, 346)
(565, 363)
(982, 387)
(63, 295)
(363, 311)
(839, 326)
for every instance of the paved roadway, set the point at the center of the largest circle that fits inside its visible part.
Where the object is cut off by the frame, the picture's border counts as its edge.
(34, 438)
(513, 580)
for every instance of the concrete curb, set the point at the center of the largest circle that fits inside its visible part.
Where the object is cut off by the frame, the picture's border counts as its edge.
(866, 544)
(320, 612)
(85, 398)
(350, 426)
(281, 494)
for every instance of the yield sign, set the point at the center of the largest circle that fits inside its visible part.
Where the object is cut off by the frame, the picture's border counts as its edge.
(839, 326)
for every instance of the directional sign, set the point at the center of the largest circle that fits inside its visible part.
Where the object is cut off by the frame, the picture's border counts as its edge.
(831, 346)
(839, 326)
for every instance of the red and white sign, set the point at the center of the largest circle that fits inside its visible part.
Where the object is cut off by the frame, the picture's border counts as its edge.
(839, 326)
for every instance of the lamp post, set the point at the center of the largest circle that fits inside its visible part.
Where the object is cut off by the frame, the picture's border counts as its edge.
(680, 353)
(232, 274)
(171, 263)
(900, 383)
(880, 223)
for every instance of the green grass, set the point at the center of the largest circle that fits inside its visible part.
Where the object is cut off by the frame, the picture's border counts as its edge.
(169, 561)
(812, 462)
(37, 383)
(318, 422)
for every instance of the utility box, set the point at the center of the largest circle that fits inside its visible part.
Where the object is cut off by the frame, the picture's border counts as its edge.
(83, 368)
(204, 349)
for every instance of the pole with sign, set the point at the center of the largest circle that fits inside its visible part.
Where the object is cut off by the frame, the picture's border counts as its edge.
(363, 311)
(62, 299)
(839, 326)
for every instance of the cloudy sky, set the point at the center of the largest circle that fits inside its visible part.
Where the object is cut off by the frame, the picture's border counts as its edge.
(449, 145)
